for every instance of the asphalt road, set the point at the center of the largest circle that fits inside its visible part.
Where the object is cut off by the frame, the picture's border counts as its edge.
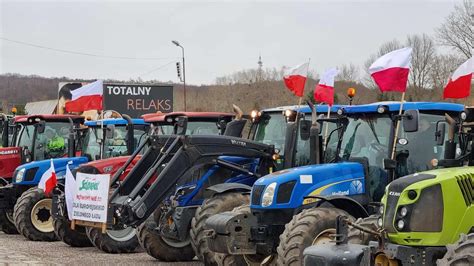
(16, 250)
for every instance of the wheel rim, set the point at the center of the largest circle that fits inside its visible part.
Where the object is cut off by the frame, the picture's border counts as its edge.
(122, 235)
(175, 243)
(325, 237)
(258, 259)
(41, 216)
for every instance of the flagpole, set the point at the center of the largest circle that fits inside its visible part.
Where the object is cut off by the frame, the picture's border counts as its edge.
(394, 148)
(326, 129)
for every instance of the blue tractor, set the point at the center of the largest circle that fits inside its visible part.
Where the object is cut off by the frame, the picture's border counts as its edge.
(197, 176)
(295, 208)
(101, 139)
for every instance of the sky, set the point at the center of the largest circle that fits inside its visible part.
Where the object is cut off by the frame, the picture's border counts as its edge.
(219, 38)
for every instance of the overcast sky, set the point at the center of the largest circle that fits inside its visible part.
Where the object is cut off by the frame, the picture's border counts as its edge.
(219, 38)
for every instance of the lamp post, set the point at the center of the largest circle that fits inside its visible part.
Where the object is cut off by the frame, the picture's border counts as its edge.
(184, 73)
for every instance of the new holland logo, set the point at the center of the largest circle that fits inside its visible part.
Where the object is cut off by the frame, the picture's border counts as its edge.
(356, 187)
(393, 193)
(236, 142)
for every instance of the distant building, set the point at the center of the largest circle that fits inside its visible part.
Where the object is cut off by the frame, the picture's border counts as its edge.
(41, 107)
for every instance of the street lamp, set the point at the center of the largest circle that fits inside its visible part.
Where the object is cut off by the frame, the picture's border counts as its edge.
(184, 72)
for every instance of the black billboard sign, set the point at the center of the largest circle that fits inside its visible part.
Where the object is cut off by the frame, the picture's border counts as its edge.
(139, 99)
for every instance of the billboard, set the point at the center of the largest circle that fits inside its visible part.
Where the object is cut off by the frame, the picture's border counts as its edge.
(136, 100)
(131, 99)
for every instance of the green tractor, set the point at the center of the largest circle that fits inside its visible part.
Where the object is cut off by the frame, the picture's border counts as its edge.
(425, 218)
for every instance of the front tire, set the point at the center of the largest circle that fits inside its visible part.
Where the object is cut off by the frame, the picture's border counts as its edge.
(160, 248)
(32, 216)
(6, 222)
(74, 238)
(114, 241)
(309, 227)
(217, 204)
(460, 253)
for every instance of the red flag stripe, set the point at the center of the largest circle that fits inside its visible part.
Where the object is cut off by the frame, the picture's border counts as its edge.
(324, 94)
(392, 79)
(459, 88)
(84, 103)
(295, 83)
(50, 184)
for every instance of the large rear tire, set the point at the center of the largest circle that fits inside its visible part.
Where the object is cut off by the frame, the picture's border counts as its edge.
(356, 236)
(460, 253)
(74, 238)
(32, 216)
(310, 227)
(217, 204)
(114, 241)
(160, 248)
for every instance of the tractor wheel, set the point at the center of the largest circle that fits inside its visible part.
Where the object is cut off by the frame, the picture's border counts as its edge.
(114, 241)
(356, 236)
(32, 216)
(460, 253)
(162, 248)
(6, 222)
(74, 238)
(309, 227)
(217, 204)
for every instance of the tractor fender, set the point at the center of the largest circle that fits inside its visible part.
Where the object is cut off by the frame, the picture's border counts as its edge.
(3, 181)
(345, 203)
(226, 187)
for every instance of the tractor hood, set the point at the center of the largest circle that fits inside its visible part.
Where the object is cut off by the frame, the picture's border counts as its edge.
(33, 171)
(10, 158)
(291, 186)
(111, 165)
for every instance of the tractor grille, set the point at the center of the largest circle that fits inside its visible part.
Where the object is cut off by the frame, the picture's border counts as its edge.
(30, 174)
(257, 194)
(466, 184)
(284, 191)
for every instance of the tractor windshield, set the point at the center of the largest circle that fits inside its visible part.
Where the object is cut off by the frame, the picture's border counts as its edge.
(52, 143)
(113, 147)
(271, 129)
(202, 128)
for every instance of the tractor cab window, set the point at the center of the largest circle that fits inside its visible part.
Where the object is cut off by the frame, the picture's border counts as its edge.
(271, 129)
(26, 137)
(419, 147)
(367, 137)
(53, 142)
(202, 128)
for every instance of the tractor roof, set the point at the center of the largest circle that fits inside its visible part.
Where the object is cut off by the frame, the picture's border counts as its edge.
(192, 116)
(48, 118)
(304, 108)
(114, 121)
(395, 106)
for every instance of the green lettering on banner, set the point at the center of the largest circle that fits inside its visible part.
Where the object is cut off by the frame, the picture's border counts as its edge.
(88, 185)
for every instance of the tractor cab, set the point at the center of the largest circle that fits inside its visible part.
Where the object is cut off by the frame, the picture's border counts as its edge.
(6, 130)
(38, 137)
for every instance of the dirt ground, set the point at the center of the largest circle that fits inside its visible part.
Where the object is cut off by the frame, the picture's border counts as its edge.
(16, 250)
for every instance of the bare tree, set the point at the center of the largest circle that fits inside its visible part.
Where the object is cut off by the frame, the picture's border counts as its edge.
(422, 60)
(348, 72)
(457, 31)
(443, 66)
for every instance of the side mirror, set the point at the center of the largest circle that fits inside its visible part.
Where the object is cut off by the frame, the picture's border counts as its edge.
(305, 126)
(410, 120)
(440, 133)
(181, 125)
(109, 131)
(41, 126)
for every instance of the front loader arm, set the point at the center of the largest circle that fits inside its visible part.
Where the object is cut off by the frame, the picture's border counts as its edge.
(179, 159)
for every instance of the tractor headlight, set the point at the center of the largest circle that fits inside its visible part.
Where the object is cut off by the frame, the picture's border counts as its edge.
(400, 224)
(403, 211)
(19, 175)
(381, 210)
(380, 222)
(268, 193)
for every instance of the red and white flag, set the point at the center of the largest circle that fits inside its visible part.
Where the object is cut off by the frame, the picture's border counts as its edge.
(69, 191)
(390, 72)
(324, 91)
(296, 79)
(87, 97)
(48, 180)
(459, 85)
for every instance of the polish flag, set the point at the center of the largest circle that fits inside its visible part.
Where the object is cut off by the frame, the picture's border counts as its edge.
(69, 191)
(390, 71)
(296, 79)
(459, 85)
(87, 97)
(48, 180)
(324, 91)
